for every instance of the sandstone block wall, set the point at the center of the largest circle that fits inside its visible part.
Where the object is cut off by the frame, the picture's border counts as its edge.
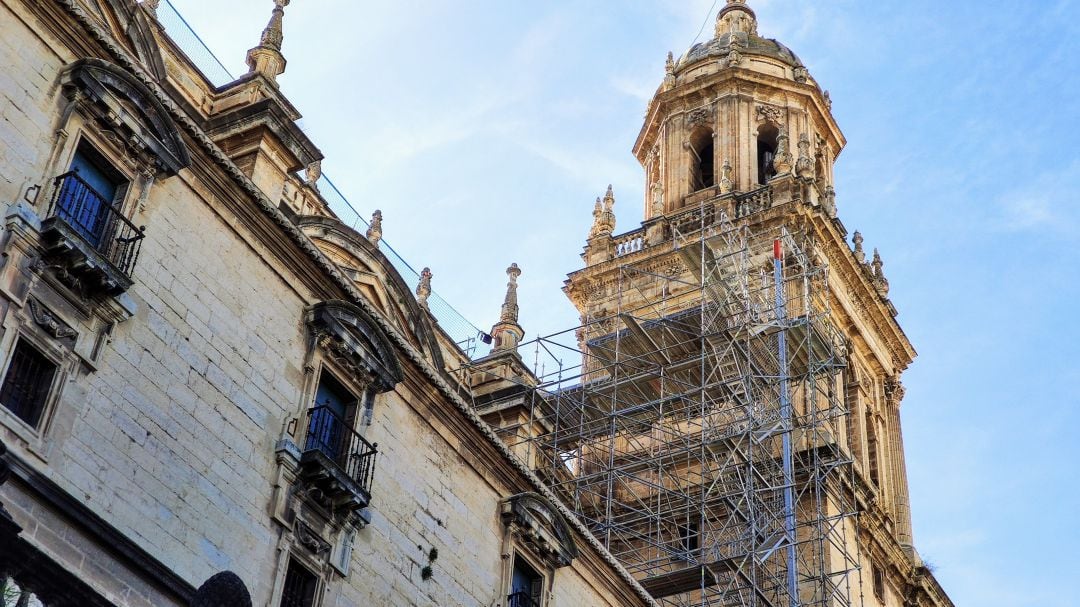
(169, 435)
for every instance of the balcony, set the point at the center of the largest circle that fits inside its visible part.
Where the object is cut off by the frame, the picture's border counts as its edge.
(88, 241)
(521, 599)
(337, 461)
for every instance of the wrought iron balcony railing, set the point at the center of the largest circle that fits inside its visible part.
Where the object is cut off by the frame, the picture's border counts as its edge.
(331, 437)
(520, 599)
(97, 221)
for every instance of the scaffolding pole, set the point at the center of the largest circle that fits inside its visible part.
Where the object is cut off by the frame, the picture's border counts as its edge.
(698, 429)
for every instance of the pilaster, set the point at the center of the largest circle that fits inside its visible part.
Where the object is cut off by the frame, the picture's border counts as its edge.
(894, 394)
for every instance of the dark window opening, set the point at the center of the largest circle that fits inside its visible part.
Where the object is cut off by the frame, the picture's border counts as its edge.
(332, 418)
(526, 586)
(27, 383)
(879, 583)
(702, 160)
(766, 153)
(86, 200)
(332, 439)
(300, 586)
(872, 450)
(690, 536)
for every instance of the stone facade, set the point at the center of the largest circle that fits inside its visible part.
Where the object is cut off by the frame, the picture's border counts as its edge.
(207, 372)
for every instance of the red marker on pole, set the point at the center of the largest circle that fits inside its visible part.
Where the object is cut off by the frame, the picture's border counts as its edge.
(778, 250)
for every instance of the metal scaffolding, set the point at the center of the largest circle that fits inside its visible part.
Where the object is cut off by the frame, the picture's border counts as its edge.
(698, 426)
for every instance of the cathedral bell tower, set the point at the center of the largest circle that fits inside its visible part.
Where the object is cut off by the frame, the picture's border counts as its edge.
(736, 414)
(733, 114)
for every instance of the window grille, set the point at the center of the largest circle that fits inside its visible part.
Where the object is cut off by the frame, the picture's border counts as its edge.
(27, 383)
(300, 586)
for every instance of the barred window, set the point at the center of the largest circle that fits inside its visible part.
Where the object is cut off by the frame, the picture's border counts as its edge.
(301, 586)
(27, 382)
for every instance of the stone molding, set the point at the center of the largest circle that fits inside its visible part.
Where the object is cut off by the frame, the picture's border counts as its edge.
(350, 337)
(148, 135)
(537, 522)
(77, 514)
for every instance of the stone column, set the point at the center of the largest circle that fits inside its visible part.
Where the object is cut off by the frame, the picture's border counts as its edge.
(894, 394)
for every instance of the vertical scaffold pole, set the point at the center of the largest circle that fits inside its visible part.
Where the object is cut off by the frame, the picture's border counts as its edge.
(787, 416)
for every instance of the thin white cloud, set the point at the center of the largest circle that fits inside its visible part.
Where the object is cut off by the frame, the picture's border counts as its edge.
(585, 167)
(1046, 204)
(640, 86)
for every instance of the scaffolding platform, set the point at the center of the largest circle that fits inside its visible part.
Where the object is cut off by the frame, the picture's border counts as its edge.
(698, 426)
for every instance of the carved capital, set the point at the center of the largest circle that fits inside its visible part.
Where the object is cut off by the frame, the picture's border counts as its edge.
(895, 391)
(771, 113)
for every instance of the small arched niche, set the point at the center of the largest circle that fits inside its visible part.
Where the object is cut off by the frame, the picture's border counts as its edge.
(767, 143)
(702, 160)
(819, 168)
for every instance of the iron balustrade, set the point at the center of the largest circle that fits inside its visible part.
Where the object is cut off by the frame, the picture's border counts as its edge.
(520, 599)
(97, 221)
(331, 436)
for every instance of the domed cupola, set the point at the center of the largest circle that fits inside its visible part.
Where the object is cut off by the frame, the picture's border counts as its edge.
(732, 114)
(736, 36)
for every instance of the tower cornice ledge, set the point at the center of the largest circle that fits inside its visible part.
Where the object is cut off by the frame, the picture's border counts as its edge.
(861, 302)
(851, 290)
(748, 82)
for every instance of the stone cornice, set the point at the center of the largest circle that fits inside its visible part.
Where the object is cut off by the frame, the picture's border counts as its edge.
(414, 356)
(914, 577)
(871, 307)
(86, 520)
(332, 229)
(663, 103)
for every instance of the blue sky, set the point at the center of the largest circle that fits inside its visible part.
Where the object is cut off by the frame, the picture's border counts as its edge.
(484, 130)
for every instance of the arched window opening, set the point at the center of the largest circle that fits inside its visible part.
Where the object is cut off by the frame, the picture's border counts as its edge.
(872, 450)
(850, 379)
(767, 144)
(702, 160)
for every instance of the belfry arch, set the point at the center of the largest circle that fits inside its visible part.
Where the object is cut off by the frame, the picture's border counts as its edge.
(702, 159)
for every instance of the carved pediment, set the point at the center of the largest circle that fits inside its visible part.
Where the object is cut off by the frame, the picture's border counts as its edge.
(355, 342)
(375, 277)
(133, 28)
(128, 114)
(538, 523)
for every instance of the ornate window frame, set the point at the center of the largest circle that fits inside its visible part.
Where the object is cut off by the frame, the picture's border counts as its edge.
(106, 108)
(113, 111)
(45, 330)
(346, 343)
(535, 530)
(305, 560)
